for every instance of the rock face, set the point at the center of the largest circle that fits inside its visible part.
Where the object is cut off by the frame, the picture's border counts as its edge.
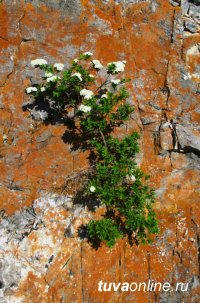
(41, 257)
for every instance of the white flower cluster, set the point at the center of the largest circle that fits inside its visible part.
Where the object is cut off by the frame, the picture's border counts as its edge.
(88, 54)
(85, 108)
(42, 89)
(92, 189)
(31, 89)
(58, 66)
(104, 96)
(78, 75)
(97, 64)
(75, 60)
(87, 94)
(119, 66)
(91, 76)
(115, 81)
(131, 178)
(48, 74)
(38, 62)
(53, 79)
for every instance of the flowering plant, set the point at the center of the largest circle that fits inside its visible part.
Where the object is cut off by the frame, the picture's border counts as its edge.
(99, 107)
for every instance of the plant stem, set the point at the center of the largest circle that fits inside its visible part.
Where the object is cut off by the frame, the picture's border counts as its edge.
(102, 84)
(104, 141)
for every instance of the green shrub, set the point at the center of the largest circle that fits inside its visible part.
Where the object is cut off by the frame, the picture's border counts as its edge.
(104, 230)
(115, 180)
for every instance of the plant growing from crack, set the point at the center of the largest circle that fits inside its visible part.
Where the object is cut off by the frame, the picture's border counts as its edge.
(114, 181)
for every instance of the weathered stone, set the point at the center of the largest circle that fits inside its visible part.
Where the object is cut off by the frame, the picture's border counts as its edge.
(179, 161)
(128, 1)
(192, 26)
(9, 272)
(166, 139)
(45, 136)
(68, 7)
(187, 137)
(175, 2)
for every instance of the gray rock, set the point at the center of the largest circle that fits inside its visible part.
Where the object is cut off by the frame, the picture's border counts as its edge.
(22, 220)
(166, 26)
(191, 8)
(39, 114)
(17, 226)
(44, 136)
(9, 273)
(148, 120)
(194, 11)
(68, 7)
(175, 2)
(186, 137)
(8, 64)
(13, 158)
(191, 26)
(185, 7)
(128, 1)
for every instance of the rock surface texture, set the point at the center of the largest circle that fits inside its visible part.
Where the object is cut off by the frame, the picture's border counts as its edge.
(41, 258)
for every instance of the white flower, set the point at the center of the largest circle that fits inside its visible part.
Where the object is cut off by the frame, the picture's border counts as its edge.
(39, 62)
(85, 108)
(78, 75)
(91, 76)
(119, 66)
(115, 81)
(31, 89)
(75, 60)
(104, 96)
(87, 54)
(43, 88)
(131, 178)
(58, 66)
(53, 79)
(48, 74)
(87, 94)
(97, 64)
(92, 189)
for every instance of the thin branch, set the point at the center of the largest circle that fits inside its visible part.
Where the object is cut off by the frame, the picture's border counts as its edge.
(102, 84)
(104, 141)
